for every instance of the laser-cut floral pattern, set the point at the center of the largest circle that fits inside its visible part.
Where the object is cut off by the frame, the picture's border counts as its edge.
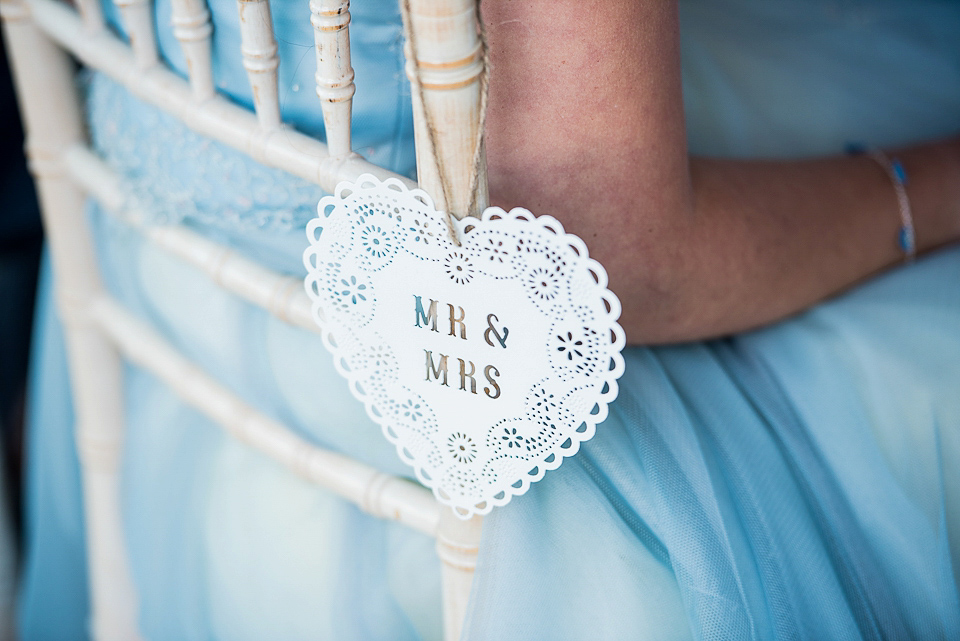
(486, 361)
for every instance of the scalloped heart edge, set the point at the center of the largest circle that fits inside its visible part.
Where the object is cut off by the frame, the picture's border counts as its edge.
(466, 226)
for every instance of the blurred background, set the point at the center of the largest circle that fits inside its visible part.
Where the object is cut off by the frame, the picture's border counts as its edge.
(21, 241)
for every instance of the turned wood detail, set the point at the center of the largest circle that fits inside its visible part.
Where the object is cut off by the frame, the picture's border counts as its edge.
(335, 87)
(138, 21)
(192, 28)
(445, 65)
(259, 50)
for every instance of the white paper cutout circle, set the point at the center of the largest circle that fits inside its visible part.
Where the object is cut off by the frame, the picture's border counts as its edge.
(486, 363)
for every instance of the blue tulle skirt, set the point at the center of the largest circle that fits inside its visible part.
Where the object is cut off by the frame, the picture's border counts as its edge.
(801, 482)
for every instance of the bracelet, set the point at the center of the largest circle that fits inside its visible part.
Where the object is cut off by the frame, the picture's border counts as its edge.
(906, 238)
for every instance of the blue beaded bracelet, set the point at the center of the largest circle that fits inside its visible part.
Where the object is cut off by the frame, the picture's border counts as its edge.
(906, 238)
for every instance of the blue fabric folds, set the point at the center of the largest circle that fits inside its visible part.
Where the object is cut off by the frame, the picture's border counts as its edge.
(794, 483)
(797, 482)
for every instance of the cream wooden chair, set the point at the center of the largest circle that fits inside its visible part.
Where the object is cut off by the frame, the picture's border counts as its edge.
(42, 36)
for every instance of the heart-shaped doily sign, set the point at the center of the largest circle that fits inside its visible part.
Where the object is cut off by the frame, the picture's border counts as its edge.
(485, 363)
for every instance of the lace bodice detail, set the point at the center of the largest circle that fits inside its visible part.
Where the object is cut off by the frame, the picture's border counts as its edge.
(173, 174)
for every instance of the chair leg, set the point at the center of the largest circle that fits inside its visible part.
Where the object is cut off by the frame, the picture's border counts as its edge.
(50, 109)
(457, 544)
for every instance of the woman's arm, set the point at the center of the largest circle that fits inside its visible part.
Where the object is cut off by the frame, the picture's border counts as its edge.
(586, 123)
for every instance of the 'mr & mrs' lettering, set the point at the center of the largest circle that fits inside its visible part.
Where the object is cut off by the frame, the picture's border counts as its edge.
(437, 369)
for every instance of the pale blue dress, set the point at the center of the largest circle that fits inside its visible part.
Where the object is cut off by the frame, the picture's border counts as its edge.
(797, 482)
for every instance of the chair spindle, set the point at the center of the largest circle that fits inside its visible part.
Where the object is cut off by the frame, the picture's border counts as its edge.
(458, 542)
(449, 58)
(138, 20)
(335, 87)
(92, 13)
(445, 65)
(192, 28)
(259, 48)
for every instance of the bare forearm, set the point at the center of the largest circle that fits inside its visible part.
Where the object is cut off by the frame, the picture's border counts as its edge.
(761, 240)
(769, 239)
(694, 248)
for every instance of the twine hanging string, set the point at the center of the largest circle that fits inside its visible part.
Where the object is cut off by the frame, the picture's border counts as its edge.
(431, 123)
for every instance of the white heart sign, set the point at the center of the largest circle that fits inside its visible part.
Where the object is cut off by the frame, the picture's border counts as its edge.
(485, 362)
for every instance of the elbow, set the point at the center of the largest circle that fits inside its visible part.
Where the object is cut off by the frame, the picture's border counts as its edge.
(655, 282)
(647, 250)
